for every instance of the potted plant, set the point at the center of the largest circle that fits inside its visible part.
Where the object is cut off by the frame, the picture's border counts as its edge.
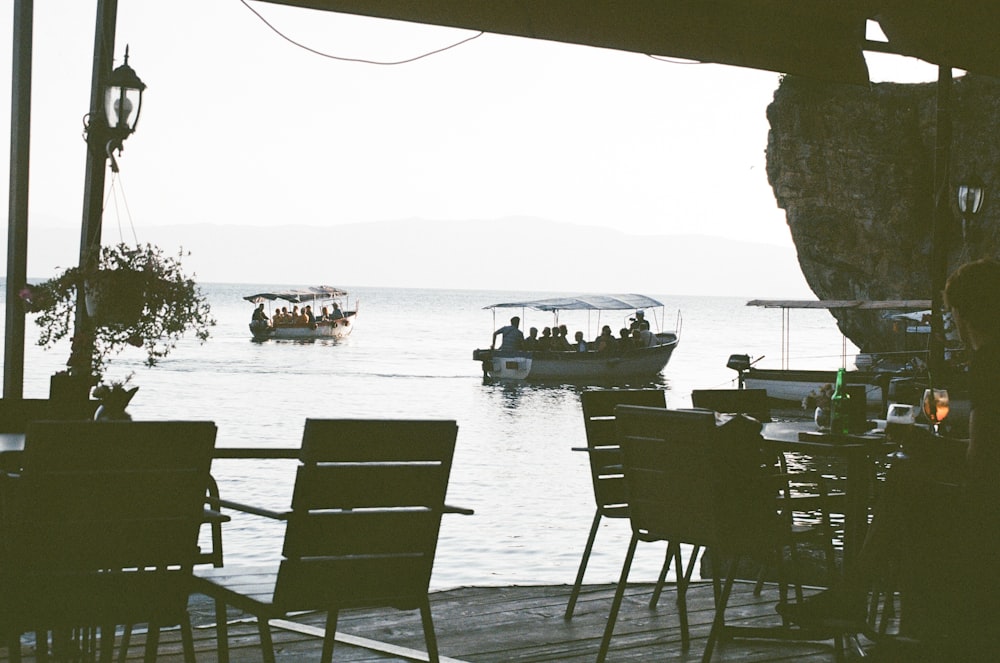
(114, 397)
(136, 297)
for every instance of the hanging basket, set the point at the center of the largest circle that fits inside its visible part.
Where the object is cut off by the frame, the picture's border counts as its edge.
(116, 297)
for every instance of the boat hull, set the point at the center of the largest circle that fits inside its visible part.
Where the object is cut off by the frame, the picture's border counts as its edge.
(326, 329)
(577, 366)
(796, 385)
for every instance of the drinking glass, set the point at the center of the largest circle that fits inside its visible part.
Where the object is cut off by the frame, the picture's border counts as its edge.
(935, 404)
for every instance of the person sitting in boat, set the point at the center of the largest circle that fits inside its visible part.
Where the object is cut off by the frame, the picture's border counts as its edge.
(624, 338)
(581, 344)
(545, 341)
(309, 316)
(531, 342)
(324, 314)
(337, 314)
(511, 337)
(647, 339)
(606, 342)
(561, 342)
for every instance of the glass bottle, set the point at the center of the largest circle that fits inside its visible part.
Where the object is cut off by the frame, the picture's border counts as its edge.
(840, 415)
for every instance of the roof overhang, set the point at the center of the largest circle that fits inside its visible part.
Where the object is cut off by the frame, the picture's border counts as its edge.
(822, 39)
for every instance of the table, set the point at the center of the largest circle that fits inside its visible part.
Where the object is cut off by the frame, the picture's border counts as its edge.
(858, 451)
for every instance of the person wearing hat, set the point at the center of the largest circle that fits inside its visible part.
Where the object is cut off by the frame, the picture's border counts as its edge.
(639, 321)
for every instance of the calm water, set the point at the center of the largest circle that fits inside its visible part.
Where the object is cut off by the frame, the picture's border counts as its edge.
(411, 356)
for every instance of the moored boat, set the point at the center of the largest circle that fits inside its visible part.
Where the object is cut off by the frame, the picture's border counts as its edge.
(627, 360)
(332, 316)
(878, 372)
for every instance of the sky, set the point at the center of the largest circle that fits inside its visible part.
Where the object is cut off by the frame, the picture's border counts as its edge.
(241, 127)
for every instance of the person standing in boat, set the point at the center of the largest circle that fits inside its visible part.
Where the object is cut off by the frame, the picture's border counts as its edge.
(639, 321)
(259, 316)
(511, 338)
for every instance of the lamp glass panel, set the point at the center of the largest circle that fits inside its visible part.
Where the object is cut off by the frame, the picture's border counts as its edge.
(122, 107)
(970, 198)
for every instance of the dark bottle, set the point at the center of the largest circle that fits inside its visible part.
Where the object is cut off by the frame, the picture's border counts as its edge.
(840, 406)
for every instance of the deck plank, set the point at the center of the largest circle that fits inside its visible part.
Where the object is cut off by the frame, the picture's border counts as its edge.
(518, 624)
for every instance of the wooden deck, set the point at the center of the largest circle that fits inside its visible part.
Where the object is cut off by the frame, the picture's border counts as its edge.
(521, 624)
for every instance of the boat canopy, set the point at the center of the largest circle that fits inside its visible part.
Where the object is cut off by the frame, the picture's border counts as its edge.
(298, 295)
(859, 304)
(584, 303)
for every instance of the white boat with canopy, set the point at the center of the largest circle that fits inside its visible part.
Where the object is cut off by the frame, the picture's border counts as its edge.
(875, 371)
(627, 359)
(332, 315)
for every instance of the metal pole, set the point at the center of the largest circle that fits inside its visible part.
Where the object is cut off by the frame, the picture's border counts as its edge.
(942, 222)
(17, 204)
(93, 193)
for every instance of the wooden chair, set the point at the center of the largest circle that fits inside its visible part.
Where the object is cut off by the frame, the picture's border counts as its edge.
(16, 413)
(101, 528)
(804, 495)
(606, 472)
(362, 532)
(689, 481)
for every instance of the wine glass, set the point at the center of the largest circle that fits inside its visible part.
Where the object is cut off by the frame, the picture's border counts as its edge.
(935, 404)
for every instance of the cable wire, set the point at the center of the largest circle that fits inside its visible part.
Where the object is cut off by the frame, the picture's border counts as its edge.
(359, 60)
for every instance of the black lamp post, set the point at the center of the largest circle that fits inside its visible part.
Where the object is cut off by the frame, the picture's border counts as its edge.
(971, 193)
(115, 102)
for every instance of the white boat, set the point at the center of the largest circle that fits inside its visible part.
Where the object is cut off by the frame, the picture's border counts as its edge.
(620, 364)
(874, 372)
(332, 315)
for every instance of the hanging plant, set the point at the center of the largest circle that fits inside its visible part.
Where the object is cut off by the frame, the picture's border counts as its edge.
(135, 297)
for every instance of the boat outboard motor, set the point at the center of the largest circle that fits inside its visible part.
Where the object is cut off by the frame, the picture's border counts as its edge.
(741, 364)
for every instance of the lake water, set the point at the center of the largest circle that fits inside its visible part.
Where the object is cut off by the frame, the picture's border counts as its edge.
(410, 356)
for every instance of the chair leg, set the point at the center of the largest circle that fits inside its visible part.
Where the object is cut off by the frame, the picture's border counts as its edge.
(266, 643)
(722, 600)
(222, 631)
(682, 613)
(41, 647)
(152, 643)
(429, 636)
(617, 602)
(330, 636)
(14, 647)
(575, 594)
(187, 638)
(662, 580)
(107, 643)
(690, 567)
(126, 640)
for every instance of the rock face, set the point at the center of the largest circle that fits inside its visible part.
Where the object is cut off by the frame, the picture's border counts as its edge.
(853, 169)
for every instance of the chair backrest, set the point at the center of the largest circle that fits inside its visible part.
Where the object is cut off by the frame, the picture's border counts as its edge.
(602, 438)
(734, 401)
(366, 512)
(101, 524)
(16, 413)
(689, 480)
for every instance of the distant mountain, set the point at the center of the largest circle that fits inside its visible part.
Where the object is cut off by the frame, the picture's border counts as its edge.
(503, 254)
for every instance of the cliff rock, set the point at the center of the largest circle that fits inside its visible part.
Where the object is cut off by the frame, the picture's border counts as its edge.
(853, 169)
